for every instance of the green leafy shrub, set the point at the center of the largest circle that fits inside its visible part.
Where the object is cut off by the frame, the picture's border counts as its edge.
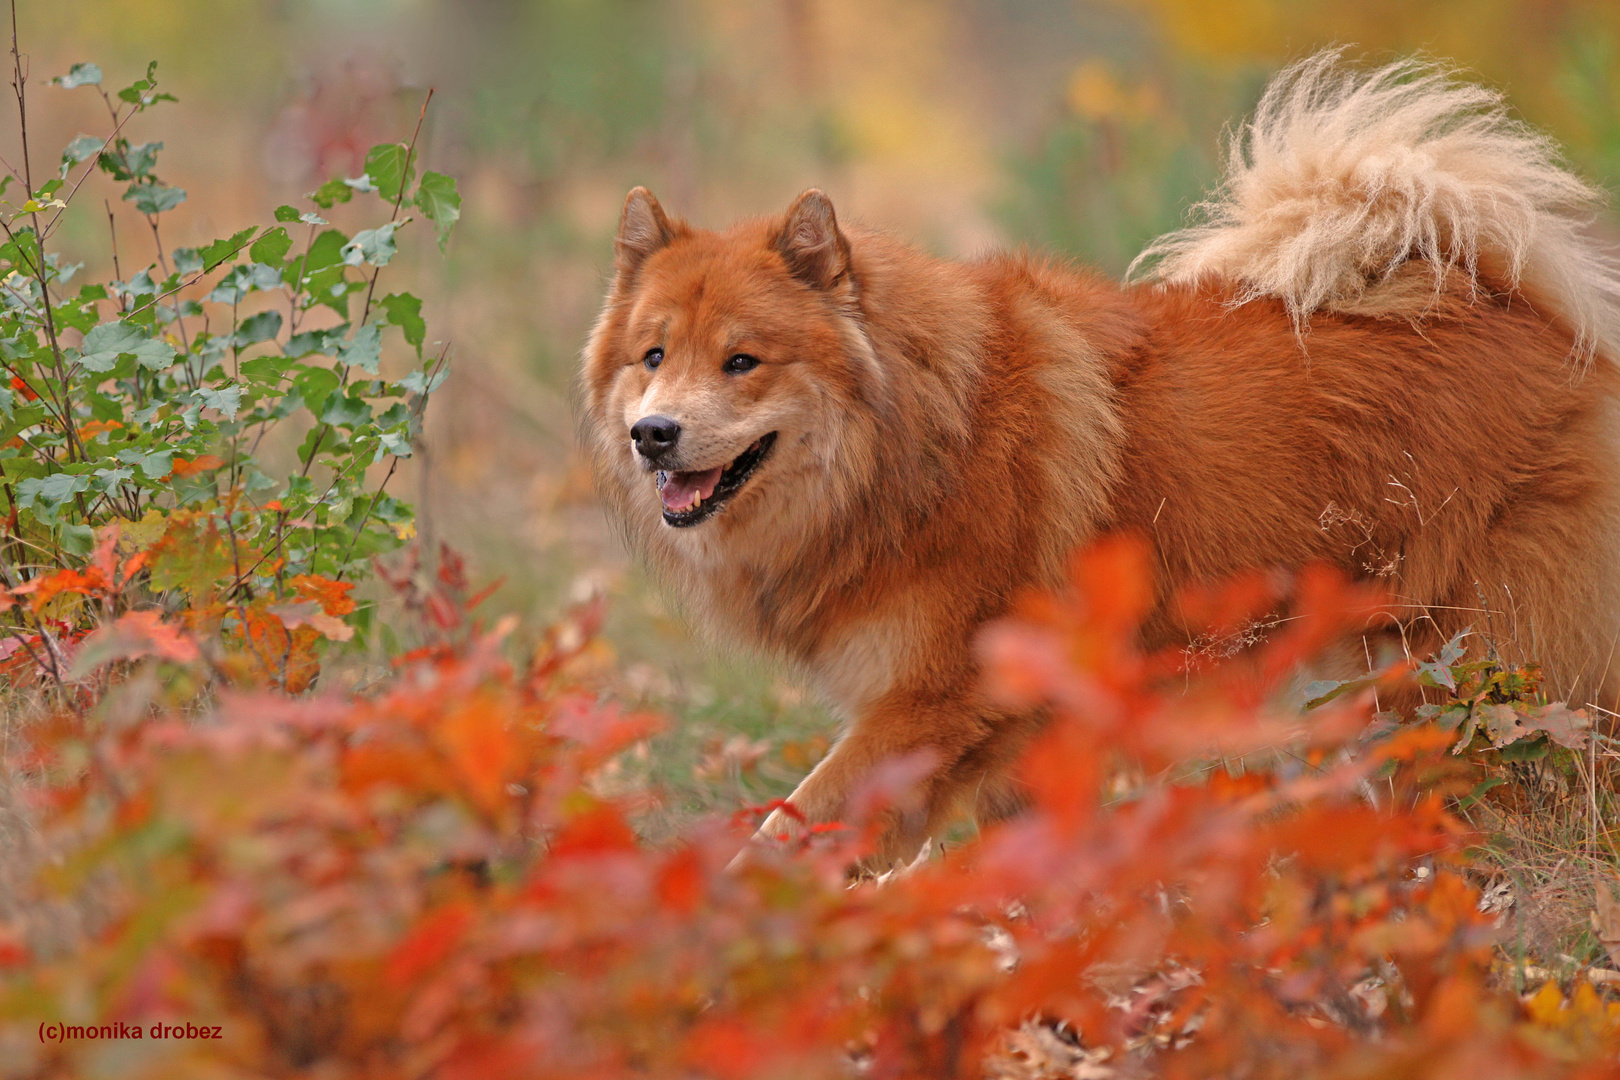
(145, 401)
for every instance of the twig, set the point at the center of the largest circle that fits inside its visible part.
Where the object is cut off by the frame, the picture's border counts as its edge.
(399, 198)
(118, 125)
(112, 231)
(18, 84)
(377, 496)
(365, 311)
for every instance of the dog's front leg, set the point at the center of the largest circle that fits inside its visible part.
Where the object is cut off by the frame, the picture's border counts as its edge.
(943, 730)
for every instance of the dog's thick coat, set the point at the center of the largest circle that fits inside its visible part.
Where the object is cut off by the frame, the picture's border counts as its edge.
(1390, 346)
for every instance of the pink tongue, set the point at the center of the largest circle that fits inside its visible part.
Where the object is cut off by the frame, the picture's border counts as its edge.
(681, 488)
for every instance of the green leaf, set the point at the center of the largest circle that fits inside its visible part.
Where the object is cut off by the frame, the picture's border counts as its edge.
(1533, 749)
(80, 149)
(397, 443)
(76, 539)
(227, 400)
(344, 411)
(51, 491)
(324, 251)
(271, 247)
(405, 312)
(1481, 788)
(125, 162)
(365, 350)
(186, 260)
(1323, 691)
(154, 198)
(440, 203)
(327, 341)
(315, 385)
(418, 382)
(374, 246)
(286, 213)
(107, 479)
(156, 465)
(333, 191)
(106, 344)
(261, 327)
(390, 167)
(79, 75)
(245, 278)
(267, 370)
(221, 250)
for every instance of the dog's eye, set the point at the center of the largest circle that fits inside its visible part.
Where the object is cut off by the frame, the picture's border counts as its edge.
(740, 363)
(653, 358)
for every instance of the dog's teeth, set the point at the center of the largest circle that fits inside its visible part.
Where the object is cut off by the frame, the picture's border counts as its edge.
(697, 500)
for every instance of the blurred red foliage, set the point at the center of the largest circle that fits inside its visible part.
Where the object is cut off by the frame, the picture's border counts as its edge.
(424, 881)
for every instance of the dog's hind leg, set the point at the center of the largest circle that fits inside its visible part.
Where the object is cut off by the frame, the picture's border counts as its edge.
(1550, 575)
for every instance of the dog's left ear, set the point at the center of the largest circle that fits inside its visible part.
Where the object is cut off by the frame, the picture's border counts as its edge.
(644, 228)
(815, 249)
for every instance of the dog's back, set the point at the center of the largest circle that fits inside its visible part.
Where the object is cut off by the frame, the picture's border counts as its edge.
(1391, 344)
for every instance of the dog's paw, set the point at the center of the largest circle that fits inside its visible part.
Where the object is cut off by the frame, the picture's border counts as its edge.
(780, 826)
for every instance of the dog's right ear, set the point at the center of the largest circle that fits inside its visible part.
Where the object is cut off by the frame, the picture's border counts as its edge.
(643, 230)
(813, 246)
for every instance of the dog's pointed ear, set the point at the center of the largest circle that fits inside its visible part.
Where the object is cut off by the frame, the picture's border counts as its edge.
(815, 249)
(643, 230)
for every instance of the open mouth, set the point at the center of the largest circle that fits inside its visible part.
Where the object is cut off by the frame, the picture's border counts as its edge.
(691, 497)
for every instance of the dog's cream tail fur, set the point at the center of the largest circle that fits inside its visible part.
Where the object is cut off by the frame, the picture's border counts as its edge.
(1343, 176)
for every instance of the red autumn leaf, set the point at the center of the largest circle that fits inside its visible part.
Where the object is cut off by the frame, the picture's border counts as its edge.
(105, 556)
(23, 388)
(598, 829)
(132, 636)
(429, 942)
(14, 950)
(728, 1048)
(680, 881)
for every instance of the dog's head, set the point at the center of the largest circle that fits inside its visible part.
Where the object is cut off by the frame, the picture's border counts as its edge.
(726, 378)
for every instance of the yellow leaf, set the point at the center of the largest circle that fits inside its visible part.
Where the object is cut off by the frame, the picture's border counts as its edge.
(1546, 1006)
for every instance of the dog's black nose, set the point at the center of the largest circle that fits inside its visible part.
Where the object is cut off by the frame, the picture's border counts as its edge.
(655, 436)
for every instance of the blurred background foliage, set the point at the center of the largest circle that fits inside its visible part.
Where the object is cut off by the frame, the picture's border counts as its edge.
(1082, 127)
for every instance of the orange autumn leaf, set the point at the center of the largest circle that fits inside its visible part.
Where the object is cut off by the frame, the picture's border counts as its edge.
(45, 589)
(92, 428)
(308, 613)
(23, 388)
(205, 463)
(479, 742)
(333, 596)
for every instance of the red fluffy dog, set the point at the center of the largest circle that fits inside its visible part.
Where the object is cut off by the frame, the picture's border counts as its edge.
(1389, 346)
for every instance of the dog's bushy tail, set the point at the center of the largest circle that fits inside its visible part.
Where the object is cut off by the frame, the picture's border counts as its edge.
(1342, 177)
